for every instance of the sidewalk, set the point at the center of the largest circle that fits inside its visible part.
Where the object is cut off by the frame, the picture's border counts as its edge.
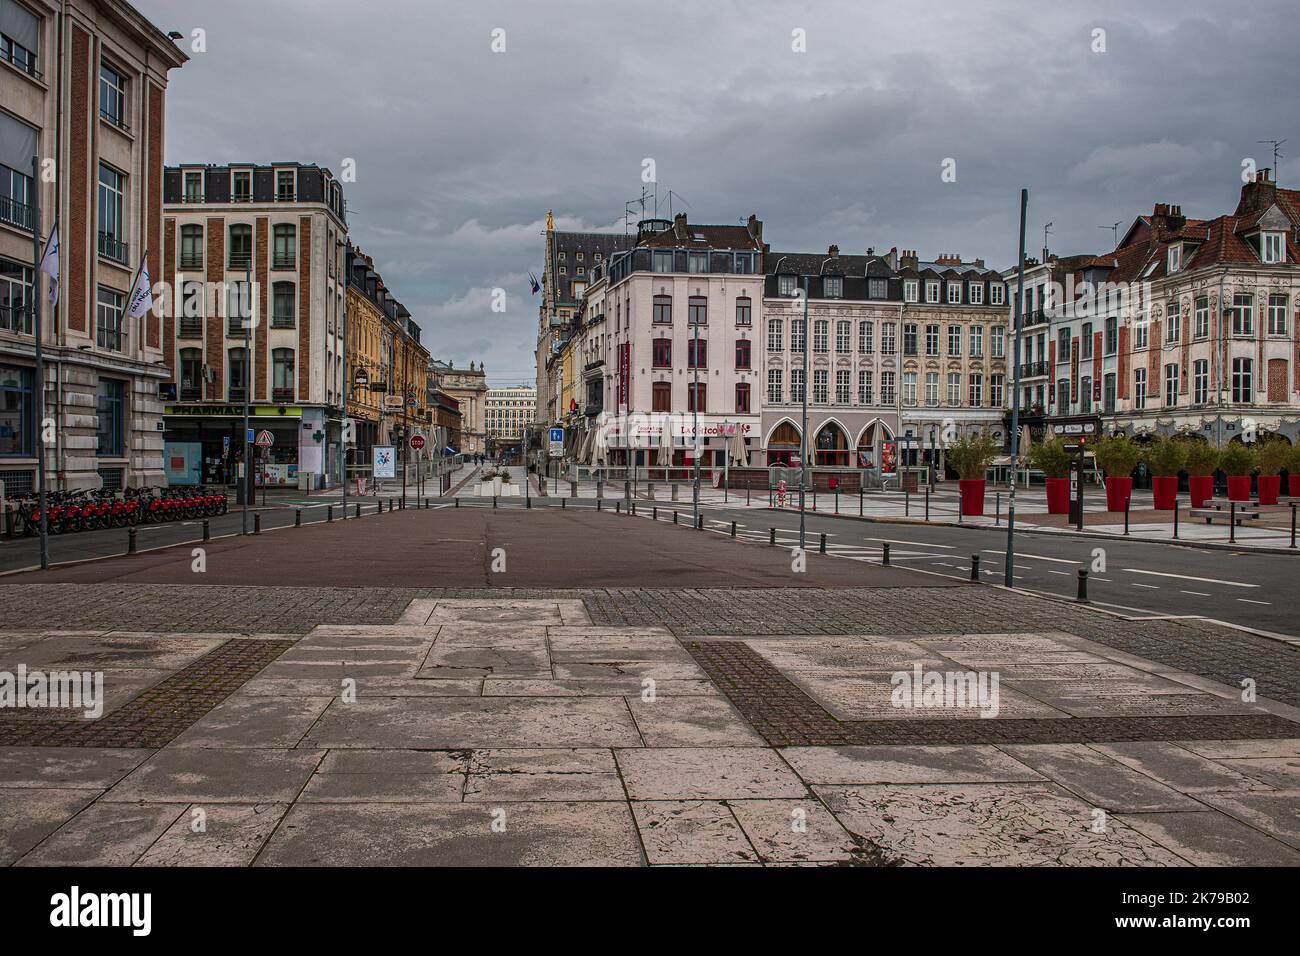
(499, 731)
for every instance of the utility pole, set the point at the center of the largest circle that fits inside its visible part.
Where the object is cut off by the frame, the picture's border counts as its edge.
(249, 489)
(695, 436)
(40, 361)
(1015, 400)
(804, 443)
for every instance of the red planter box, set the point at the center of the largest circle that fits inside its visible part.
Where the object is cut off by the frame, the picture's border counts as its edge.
(1058, 496)
(972, 496)
(1165, 488)
(1200, 488)
(1118, 492)
(1239, 487)
(1270, 486)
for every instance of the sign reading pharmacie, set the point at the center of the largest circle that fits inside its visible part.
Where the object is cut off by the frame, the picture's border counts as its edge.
(234, 411)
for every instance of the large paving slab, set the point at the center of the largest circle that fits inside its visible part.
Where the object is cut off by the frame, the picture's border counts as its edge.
(441, 834)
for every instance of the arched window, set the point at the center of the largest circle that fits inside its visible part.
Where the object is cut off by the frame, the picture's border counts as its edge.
(783, 444)
(832, 446)
(663, 308)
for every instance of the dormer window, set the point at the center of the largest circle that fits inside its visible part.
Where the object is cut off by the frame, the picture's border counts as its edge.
(1175, 257)
(1272, 246)
(833, 286)
(909, 290)
(954, 293)
(932, 292)
(785, 285)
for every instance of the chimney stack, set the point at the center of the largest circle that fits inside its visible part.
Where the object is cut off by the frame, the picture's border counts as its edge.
(833, 251)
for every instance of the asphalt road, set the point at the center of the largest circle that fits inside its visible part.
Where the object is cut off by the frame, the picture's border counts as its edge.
(1142, 577)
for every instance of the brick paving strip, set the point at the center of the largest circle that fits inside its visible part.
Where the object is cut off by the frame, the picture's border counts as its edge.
(158, 715)
(787, 717)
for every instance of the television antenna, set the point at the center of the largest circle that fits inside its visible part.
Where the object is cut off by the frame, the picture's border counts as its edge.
(1114, 231)
(1277, 154)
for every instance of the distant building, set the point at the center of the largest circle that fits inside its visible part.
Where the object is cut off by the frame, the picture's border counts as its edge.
(469, 388)
(283, 227)
(509, 412)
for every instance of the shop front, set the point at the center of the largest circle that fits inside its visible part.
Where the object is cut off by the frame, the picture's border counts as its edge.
(205, 444)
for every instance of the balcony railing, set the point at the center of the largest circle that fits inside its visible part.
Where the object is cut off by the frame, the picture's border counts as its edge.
(236, 393)
(282, 395)
(282, 261)
(111, 247)
(1031, 369)
(15, 319)
(191, 261)
(109, 339)
(282, 321)
(190, 327)
(240, 260)
(15, 213)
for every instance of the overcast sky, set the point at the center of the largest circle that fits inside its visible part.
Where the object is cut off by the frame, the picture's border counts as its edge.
(460, 150)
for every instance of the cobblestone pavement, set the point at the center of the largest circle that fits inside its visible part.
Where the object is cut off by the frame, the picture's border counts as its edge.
(1207, 650)
(498, 729)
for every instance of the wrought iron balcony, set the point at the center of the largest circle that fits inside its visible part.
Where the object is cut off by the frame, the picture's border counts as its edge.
(15, 213)
(111, 247)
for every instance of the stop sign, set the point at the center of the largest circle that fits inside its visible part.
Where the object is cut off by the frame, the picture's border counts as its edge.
(417, 442)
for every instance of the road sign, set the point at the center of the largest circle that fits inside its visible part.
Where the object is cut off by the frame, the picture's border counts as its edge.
(555, 439)
(265, 439)
(417, 441)
(251, 436)
(385, 461)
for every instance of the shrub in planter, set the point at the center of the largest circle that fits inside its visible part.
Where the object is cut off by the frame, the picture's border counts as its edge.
(1293, 470)
(970, 456)
(1238, 461)
(1051, 458)
(1202, 461)
(1166, 458)
(1117, 457)
(1271, 456)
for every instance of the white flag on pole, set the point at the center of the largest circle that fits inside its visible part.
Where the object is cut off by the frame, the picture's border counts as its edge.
(140, 302)
(50, 263)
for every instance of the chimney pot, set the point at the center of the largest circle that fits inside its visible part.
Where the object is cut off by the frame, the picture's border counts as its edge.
(833, 251)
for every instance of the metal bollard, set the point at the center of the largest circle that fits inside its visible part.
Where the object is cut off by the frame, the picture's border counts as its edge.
(329, 513)
(1082, 597)
(634, 506)
(1127, 501)
(494, 501)
(822, 549)
(654, 514)
(379, 506)
(884, 555)
(457, 504)
(358, 509)
(974, 567)
(297, 517)
(771, 536)
(997, 514)
(907, 503)
(257, 523)
(674, 517)
(1293, 524)
(618, 507)
(130, 541)
(699, 523)
(206, 532)
(562, 503)
(598, 504)
(927, 502)
(1175, 519)
(1232, 522)
(733, 529)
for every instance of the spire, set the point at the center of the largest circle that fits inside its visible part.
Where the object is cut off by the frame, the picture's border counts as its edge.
(550, 221)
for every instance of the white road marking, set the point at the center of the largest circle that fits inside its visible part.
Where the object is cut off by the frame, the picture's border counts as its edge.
(915, 544)
(1050, 571)
(1152, 587)
(1197, 593)
(1249, 601)
(1040, 557)
(1188, 577)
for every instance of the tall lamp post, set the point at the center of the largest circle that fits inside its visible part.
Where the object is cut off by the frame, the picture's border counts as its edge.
(1015, 396)
(347, 379)
(35, 308)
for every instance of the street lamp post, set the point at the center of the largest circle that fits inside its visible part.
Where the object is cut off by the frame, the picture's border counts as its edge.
(40, 362)
(347, 378)
(1017, 314)
(695, 430)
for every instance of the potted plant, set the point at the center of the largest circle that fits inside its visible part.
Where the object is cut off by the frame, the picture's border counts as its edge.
(1051, 458)
(1272, 455)
(970, 456)
(1202, 460)
(1293, 471)
(1238, 461)
(1118, 456)
(1166, 458)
